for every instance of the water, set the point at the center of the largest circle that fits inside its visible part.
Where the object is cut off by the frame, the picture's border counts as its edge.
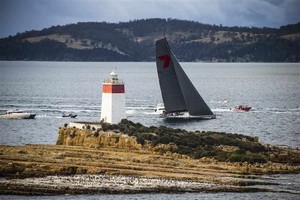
(184, 196)
(51, 88)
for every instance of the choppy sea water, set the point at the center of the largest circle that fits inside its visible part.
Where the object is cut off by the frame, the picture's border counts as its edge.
(50, 89)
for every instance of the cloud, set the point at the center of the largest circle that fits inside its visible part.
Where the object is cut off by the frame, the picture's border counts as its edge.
(23, 15)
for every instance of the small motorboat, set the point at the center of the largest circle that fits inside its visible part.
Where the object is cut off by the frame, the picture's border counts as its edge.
(160, 109)
(69, 115)
(17, 114)
(73, 116)
(242, 108)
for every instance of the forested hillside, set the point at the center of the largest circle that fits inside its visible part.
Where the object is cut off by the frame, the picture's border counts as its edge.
(134, 41)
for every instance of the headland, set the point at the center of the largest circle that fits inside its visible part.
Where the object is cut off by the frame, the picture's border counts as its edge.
(132, 158)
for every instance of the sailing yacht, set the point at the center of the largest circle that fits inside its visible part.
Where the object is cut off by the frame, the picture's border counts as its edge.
(180, 97)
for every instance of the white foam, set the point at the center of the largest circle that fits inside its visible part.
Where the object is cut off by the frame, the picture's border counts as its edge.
(130, 112)
(222, 110)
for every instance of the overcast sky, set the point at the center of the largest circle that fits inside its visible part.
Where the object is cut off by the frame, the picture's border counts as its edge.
(25, 15)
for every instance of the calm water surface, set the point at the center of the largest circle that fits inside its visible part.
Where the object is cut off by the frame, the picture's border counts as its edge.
(51, 88)
(184, 196)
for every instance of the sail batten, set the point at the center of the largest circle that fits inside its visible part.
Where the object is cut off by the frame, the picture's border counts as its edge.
(178, 92)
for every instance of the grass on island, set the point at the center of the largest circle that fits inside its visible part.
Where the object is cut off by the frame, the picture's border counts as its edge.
(217, 145)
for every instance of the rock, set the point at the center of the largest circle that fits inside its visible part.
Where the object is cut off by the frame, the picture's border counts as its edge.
(79, 137)
(272, 156)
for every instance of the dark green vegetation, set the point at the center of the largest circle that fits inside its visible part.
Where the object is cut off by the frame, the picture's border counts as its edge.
(134, 41)
(220, 146)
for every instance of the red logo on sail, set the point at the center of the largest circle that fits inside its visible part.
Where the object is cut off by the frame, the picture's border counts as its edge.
(166, 60)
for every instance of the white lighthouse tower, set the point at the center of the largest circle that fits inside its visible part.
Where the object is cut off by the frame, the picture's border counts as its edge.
(113, 100)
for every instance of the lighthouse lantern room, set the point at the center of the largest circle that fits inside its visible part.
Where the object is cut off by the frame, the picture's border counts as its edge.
(113, 100)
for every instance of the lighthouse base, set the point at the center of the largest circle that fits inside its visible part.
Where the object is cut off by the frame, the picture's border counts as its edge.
(113, 107)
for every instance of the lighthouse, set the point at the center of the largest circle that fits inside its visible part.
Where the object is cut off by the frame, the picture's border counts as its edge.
(113, 100)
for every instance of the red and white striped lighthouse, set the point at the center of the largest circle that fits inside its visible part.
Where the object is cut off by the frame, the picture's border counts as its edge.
(113, 100)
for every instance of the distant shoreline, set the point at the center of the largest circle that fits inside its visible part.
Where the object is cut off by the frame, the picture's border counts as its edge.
(134, 41)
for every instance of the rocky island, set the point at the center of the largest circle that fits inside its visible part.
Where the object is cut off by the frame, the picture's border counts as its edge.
(131, 158)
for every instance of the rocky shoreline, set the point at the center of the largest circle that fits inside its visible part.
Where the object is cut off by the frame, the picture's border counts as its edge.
(112, 184)
(132, 158)
(56, 169)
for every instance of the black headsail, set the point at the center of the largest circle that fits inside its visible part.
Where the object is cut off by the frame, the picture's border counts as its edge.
(178, 92)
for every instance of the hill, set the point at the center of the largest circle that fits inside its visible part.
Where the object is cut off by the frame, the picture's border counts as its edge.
(134, 41)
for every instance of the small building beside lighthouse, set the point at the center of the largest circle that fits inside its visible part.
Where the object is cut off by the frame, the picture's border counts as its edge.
(113, 100)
